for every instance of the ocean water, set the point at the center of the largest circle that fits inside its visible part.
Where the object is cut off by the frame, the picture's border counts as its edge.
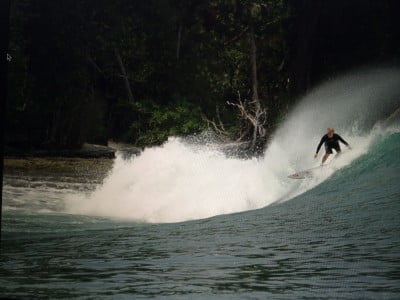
(185, 221)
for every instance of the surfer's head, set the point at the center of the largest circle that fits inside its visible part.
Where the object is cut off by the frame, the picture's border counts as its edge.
(330, 132)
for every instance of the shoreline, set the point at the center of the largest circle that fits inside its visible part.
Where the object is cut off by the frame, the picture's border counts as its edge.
(86, 151)
(57, 164)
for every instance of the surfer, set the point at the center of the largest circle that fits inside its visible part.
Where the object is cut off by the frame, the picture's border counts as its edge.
(331, 141)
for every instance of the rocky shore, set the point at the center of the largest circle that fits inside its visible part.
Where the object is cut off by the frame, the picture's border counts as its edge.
(86, 151)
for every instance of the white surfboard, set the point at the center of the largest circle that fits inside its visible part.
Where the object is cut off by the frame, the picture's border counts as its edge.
(305, 173)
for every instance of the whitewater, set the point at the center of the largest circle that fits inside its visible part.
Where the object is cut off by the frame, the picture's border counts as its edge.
(186, 180)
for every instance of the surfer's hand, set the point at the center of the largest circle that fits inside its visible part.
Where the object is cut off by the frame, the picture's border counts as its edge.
(316, 154)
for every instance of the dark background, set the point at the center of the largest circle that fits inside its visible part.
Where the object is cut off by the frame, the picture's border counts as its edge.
(140, 71)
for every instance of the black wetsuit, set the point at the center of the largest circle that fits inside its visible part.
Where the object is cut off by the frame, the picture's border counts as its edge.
(331, 143)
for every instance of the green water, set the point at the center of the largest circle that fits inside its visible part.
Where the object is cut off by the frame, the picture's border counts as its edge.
(338, 240)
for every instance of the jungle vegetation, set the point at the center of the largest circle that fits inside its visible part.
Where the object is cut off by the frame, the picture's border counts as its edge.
(140, 71)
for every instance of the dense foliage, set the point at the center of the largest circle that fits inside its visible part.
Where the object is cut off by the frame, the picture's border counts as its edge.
(140, 71)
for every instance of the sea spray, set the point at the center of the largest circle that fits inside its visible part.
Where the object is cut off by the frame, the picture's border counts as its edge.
(182, 180)
(177, 182)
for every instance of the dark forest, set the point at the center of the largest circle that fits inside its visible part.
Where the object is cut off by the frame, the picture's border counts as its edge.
(140, 71)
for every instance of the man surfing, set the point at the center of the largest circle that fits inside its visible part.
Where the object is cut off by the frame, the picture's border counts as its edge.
(331, 141)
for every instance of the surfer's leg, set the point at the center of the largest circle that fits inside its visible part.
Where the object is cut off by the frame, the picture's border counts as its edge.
(338, 150)
(325, 157)
(328, 151)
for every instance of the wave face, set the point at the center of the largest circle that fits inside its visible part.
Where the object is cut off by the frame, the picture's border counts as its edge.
(182, 180)
(364, 195)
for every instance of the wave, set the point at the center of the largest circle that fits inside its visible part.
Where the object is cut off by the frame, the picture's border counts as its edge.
(182, 180)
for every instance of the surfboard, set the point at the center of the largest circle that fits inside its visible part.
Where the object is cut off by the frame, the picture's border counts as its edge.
(304, 174)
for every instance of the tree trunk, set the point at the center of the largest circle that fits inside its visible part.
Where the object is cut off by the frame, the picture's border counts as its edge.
(253, 51)
(179, 40)
(259, 113)
(124, 75)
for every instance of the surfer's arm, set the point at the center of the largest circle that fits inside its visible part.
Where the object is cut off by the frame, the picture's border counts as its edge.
(320, 144)
(343, 141)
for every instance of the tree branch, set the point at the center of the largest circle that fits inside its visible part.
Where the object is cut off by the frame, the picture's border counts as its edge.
(124, 75)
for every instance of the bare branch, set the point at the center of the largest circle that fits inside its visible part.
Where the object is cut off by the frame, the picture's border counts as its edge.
(95, 65)
(218, 129)
(219, 118)
(236, 37)
(124, 75)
